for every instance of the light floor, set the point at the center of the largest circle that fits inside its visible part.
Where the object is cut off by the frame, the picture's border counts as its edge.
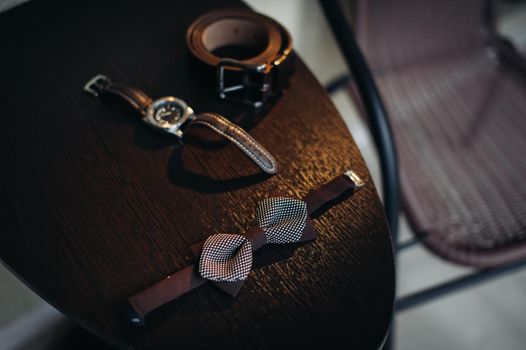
(491, 316)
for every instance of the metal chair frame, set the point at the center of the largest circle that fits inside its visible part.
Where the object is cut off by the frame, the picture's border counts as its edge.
(384, 142)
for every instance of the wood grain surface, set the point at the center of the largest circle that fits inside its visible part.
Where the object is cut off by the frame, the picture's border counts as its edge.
(95, 206)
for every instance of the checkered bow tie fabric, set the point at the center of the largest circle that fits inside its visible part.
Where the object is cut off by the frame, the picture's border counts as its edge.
(228, 257)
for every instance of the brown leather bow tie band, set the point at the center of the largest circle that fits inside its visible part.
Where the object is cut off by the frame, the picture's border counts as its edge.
(253, 78)
(226, 259)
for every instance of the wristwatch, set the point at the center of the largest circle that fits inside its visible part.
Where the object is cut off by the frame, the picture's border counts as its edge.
(172, 116)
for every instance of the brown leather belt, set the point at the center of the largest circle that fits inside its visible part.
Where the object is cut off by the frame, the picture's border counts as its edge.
(254, 80)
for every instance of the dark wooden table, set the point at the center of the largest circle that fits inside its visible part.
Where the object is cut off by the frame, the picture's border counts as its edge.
(95, 206)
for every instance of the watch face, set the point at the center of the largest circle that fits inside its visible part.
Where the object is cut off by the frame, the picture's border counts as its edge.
(168, 114)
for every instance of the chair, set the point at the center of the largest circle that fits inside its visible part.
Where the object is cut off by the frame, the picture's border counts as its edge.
(455, 93)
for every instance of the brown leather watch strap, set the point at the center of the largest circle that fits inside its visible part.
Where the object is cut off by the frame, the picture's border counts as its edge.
(252, 80)
(240, 138)
(138, 99)
(135, 97)
(164, 106)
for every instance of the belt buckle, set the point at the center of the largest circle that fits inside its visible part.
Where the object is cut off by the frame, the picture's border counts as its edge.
(96, 84)
(263, 88)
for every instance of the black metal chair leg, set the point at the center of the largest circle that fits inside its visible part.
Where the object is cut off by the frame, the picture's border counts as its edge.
(428, 294)
(377, 115)
(389, 342)
(338, 83)
(380, 127)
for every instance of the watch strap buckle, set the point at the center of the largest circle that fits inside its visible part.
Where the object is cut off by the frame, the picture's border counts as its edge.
(96, 84)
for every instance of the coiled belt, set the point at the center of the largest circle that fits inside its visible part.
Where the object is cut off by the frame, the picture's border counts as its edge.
(253, 80)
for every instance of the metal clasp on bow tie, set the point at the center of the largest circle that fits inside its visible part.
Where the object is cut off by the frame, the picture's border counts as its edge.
(358, 182)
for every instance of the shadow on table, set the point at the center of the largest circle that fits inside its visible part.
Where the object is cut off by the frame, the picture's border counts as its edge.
(181, 174)
(183, 171)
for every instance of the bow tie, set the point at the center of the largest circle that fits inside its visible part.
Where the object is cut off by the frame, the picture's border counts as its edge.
(226, 259)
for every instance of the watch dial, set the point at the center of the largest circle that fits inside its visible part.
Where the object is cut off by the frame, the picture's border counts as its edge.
(168, 113)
